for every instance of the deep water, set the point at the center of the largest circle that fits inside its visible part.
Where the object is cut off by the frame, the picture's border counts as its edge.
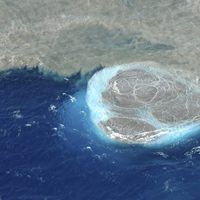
(50, 149)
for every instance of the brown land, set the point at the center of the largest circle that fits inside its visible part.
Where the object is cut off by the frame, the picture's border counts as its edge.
(65, 36)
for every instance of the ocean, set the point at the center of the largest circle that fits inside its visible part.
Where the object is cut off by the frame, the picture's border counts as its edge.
(51, 150)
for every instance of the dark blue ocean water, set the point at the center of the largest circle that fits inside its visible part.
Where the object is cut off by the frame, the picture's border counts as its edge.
(50, 150)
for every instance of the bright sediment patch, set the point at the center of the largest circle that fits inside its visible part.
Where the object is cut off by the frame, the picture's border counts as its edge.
(140, 103)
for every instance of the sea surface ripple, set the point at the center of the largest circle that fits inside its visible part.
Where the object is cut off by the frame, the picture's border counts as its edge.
(50, 148)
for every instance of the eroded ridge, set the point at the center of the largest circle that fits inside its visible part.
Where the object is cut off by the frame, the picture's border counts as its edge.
(147, 103)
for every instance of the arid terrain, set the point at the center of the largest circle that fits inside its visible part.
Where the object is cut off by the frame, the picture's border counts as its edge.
(65, 36)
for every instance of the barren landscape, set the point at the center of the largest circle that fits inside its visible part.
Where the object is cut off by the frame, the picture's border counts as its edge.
(66, 36)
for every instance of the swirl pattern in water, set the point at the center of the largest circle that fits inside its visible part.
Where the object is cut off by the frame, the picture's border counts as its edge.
(143, 104)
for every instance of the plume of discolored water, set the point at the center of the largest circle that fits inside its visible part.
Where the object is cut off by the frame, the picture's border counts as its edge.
(142, 103)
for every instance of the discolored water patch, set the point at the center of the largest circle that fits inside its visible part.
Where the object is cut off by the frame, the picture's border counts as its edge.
(144, 103)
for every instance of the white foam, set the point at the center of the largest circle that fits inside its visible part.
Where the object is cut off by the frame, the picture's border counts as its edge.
(96, 85)
(177, 134)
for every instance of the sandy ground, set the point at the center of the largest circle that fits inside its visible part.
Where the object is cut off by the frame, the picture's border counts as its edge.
(65, 35)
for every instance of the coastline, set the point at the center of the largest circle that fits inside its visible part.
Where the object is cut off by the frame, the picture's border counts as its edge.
(65, 37)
